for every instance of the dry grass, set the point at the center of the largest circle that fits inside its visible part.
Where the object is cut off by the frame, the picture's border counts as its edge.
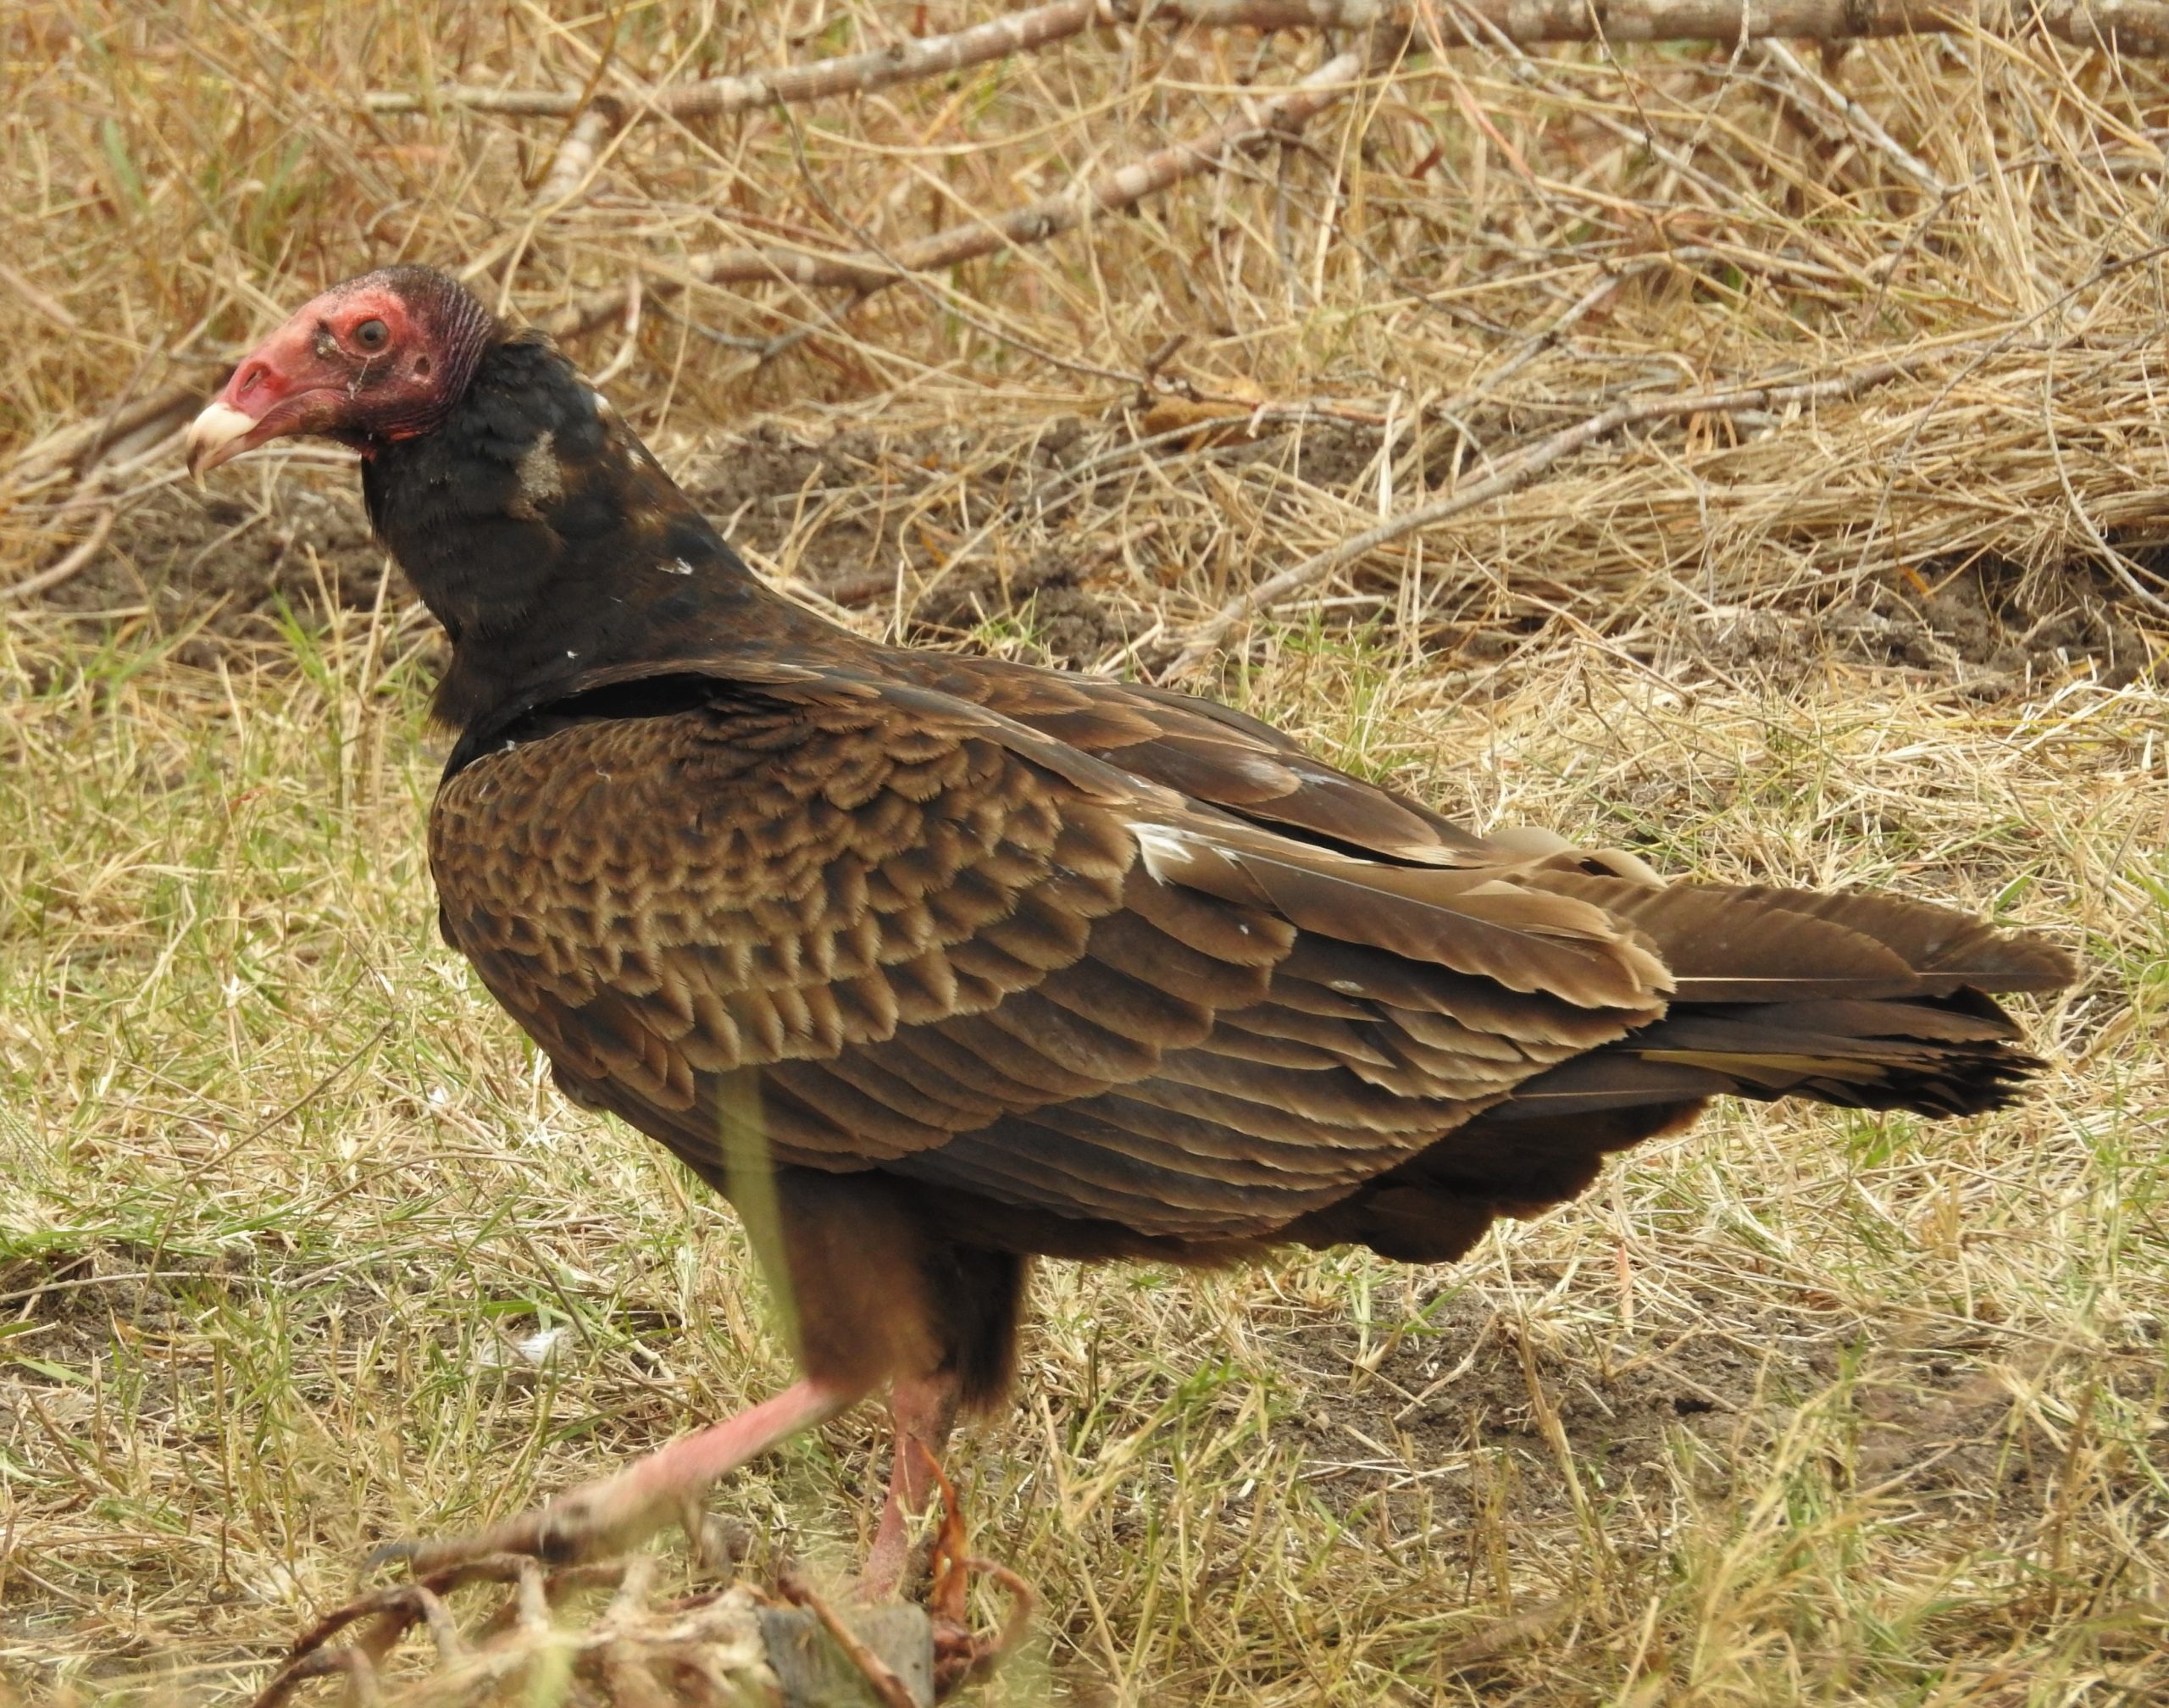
(1802, 1409)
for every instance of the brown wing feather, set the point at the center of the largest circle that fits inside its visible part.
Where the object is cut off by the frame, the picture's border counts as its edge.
(1209, 753)
(945, 960)
(761, 883)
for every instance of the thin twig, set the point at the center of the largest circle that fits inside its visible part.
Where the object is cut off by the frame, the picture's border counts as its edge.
(78, 558)
(947, 302)
(2114, 560)
(849, 74)
(1856, 117)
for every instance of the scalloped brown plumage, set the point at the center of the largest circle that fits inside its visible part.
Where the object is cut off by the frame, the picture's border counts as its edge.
(937, 963)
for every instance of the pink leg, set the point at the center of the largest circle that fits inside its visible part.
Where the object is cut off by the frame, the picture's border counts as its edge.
(923, 1409)
(617, 1513)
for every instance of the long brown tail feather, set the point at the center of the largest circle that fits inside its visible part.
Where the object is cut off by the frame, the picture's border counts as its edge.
(1863, 1002)
(1764, 945)
(1924, 1055)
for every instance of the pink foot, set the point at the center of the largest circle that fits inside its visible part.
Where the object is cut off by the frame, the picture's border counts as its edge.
(923, 1411)
(618, 1512)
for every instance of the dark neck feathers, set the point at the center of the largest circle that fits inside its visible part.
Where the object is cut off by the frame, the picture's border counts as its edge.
(551, 545)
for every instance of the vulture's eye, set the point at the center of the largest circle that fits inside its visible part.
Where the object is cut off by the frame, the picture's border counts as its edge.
(372, 334)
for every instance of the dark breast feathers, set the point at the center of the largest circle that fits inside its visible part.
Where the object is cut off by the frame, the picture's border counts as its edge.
(867, 923)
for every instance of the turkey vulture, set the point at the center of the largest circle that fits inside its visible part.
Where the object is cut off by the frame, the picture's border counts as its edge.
(935, 964)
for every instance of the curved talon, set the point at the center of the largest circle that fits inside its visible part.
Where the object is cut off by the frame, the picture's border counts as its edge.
(607, 1518)
(961, 1658)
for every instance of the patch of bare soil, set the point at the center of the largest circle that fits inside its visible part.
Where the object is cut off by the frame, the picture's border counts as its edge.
(1471, 1393)
(1988, 625)
(1993, 614)
(1941, 1428)
(229, 561)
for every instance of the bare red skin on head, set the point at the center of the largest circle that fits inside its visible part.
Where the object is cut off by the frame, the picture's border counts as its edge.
(314, 366)
(379, 358)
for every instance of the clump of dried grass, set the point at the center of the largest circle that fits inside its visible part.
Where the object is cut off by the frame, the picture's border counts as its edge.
(1481, 247)
(1805, 1409)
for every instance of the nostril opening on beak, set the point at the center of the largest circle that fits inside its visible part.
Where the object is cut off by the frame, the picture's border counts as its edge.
(251, 378)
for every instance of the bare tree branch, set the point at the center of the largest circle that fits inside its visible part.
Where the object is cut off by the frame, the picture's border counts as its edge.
(576, 155)
(2139, 27)
(2130, 26)
(849, 74)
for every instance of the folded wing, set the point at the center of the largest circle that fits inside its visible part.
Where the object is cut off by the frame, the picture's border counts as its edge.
(1061, 989)
(1110, 961)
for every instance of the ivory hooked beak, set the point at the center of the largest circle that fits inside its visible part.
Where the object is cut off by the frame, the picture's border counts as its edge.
(215, 436)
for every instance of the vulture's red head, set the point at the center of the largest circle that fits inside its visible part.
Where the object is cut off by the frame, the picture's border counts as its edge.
(530, 518)
(379, 358)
